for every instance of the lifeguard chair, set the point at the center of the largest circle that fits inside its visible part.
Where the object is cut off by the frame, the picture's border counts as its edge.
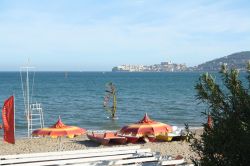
(33, 112)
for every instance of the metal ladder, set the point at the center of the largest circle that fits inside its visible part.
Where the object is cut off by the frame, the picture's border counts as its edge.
(35, 118)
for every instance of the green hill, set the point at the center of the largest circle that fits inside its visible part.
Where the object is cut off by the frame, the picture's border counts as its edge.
(236, 60)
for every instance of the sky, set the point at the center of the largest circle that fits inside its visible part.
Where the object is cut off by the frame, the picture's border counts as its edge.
(96, 35)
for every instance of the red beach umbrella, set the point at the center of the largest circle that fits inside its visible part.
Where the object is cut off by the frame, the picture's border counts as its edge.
(146, 126)
(59, 129)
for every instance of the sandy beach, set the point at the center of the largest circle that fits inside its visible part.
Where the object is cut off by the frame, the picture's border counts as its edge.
(47, 144)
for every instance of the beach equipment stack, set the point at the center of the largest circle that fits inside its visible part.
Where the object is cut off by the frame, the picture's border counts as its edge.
(59, 129)
(145, 128)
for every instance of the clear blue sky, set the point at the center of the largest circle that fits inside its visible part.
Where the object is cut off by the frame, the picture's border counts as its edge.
(95, 35)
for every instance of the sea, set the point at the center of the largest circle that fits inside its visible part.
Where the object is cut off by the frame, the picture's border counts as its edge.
(77, 97)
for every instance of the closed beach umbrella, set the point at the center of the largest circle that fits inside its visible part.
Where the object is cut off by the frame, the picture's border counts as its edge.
(209, 121)
(146, 126)
(59, 129)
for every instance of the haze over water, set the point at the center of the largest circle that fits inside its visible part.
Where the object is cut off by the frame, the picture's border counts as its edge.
(78, 98)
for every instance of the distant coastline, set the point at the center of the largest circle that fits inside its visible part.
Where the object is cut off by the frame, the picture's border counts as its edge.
(162, 67)
(236, 60)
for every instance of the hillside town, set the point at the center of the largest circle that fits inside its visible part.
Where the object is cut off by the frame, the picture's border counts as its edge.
(162, 67)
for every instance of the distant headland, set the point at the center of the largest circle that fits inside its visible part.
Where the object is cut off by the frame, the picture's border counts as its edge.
(236, 60)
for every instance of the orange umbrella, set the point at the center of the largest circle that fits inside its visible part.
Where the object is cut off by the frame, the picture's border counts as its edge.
(59, 129)
(146, 126)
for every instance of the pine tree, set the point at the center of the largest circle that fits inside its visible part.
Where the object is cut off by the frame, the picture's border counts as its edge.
(227, 142)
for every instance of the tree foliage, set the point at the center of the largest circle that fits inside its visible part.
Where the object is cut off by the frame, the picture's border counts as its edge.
(227, 142)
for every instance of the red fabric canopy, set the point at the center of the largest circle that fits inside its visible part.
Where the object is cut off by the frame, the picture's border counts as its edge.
(59, 129)
(146, 126)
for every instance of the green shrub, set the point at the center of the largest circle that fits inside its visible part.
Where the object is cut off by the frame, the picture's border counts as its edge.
(227, 142)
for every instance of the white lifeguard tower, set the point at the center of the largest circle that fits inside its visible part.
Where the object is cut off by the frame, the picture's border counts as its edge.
(33, 111)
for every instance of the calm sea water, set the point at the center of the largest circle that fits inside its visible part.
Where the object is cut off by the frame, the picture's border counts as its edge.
(78, 98)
